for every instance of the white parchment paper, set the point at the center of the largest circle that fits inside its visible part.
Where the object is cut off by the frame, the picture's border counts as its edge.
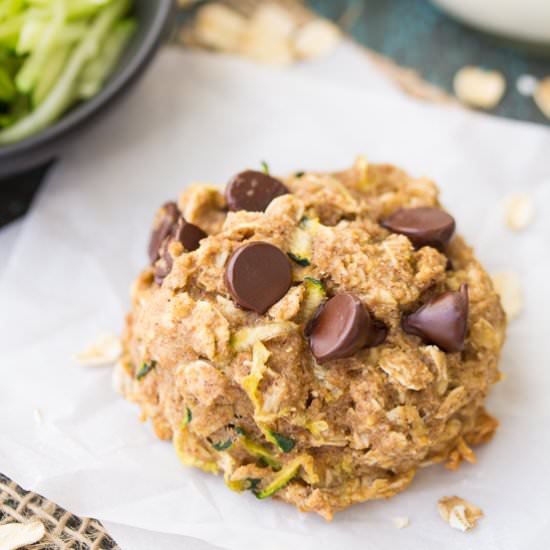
(198, 117)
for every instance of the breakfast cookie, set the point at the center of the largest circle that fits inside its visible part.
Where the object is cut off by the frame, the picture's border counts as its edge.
(315, 338)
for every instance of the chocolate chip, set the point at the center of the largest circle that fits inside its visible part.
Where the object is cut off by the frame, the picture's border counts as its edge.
(257, 275)
(310, 325)
(188, 234)
(442, 321)
(377, 334)
(165, 224)
(252, 191)
(342, 327)
(423, 226)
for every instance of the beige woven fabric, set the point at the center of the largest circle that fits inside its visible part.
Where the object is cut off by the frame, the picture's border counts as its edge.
(64, 531)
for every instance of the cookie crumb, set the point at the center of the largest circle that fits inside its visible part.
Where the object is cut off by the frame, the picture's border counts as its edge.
(104, 351)
(508, 287)
(479, 87)
(459, 513)
(519, 211)
(17, 535)
(400, 522)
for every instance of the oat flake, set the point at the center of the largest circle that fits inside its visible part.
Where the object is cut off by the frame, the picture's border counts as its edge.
(104, 351)
(508, 287)
(459, 513)
(520, 211)
(401, 522)
(17, 535)
(478, 87)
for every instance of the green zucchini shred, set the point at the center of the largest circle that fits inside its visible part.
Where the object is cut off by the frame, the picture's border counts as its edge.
(187, 417)
(304, 262)
(287, 474)
(222, 445)
(247, 484)
(145, 369)
(315, 296)
(284, 443)
(252, 483)
(260, 452)
(300, 247)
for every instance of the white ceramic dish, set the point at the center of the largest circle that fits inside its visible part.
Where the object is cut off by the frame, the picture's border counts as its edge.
(520, 19)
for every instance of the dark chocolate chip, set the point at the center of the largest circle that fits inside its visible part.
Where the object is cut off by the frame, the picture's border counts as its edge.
(165, 223)
(423, 226)
(310, 325)
(257, 275)
(253, 191)
(377, 334)
(342, 327)
(442, 321)
(188, 234)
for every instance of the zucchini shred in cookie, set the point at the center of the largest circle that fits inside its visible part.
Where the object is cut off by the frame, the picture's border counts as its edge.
(315, 338)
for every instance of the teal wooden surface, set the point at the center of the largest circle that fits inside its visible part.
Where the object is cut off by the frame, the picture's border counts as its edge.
(418, 35)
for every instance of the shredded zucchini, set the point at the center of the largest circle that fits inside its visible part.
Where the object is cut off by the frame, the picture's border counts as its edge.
(315, 296)
(46, 48)
(222, 445)
(284, 443)
(187, 417)
(145, 369)
(301, 242)
(191, 452)
(300, 247)
(259, 451)
(95, 74)
(245, 338)
(287, 474)
(250, 383)
(247, 484)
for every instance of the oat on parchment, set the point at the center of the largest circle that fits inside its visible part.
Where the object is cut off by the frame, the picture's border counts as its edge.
(104, 351)
(520, 210)
(508, 287)
(459, 513)
(400, 522)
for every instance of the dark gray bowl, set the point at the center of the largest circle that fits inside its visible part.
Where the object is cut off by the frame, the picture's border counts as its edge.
(154, 18)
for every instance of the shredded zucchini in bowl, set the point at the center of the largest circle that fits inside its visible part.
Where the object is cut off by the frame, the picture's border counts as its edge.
(54, 53)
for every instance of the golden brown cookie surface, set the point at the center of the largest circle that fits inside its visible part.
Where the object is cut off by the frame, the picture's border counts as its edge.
(241, 392)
